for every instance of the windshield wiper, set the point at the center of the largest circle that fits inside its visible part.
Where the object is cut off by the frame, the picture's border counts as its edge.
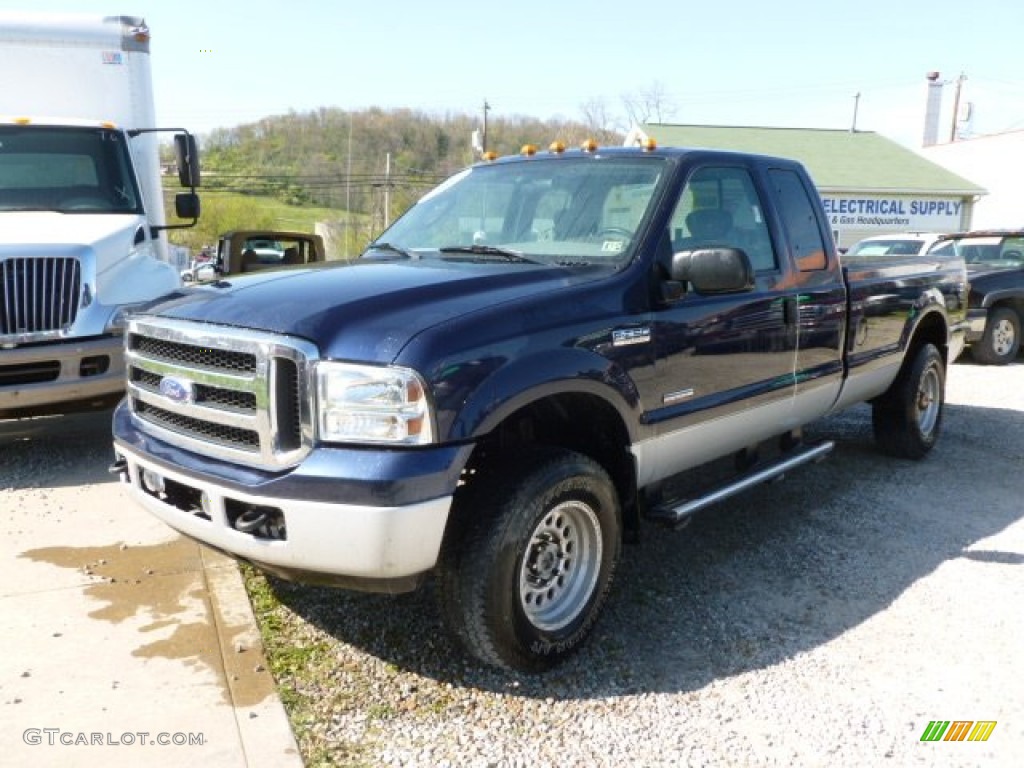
(489, 250)
(390, 248)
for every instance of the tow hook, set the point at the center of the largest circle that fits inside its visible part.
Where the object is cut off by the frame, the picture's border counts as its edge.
(250, 520)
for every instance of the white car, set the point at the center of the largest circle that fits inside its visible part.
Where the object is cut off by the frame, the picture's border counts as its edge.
(902, 244)
(199, 272)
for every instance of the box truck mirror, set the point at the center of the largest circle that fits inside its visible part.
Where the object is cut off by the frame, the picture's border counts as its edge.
(186, 205)
(187, 155)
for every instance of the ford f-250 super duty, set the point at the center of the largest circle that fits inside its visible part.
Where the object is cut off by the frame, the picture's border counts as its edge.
(508, 381)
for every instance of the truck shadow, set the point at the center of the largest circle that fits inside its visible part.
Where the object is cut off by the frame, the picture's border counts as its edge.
(770, 574)
(57, 451)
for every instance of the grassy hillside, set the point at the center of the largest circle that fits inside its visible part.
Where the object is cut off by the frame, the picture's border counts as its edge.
(290, 171)
(224, 211)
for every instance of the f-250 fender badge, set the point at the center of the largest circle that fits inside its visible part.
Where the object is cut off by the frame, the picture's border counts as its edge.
(622, 337)
(177, 390)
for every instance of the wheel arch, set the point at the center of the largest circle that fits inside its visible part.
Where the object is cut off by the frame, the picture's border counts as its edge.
(581, 419)
(931, 328)
(1008, 297)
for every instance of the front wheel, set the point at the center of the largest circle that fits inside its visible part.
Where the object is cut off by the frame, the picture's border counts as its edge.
(1001, 341)
(524, 580)
(907, 418)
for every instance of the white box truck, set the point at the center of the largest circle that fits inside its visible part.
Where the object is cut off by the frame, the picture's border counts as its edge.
(82, 225)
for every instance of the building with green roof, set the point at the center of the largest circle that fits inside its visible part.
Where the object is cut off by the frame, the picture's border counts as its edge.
(870, 185)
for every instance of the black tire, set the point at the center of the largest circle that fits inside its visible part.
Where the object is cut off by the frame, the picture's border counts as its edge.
(908, 418)
(1001, 341)
(525, 577)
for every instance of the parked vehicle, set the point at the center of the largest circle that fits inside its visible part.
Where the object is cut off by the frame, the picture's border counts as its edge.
(516, 373)
(995, 266)
(199, 271)
(901, 244)
(254, 250)
(82, 226)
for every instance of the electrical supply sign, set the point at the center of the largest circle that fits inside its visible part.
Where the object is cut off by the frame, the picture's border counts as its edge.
(925, 214)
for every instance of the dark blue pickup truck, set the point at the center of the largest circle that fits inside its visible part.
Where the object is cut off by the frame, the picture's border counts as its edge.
(514, 377)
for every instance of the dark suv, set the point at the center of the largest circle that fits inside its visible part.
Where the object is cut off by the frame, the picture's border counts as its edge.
(995, 268)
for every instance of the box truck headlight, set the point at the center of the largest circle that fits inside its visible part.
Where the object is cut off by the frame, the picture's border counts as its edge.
(370, 404)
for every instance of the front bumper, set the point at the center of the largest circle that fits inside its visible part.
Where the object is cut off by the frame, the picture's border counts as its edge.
(373, 548)
(365, 519)
(61, 376)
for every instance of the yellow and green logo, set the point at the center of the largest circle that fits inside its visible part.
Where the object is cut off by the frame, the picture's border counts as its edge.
(958, 730)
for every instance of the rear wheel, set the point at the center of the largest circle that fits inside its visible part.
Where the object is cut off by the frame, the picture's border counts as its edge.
(523, 582)
(907, 419)
(1001, 341)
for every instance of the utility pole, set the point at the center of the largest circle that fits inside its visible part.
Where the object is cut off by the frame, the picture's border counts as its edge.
(387, 191)
(483, 138)
(348, 185)
(856, 103)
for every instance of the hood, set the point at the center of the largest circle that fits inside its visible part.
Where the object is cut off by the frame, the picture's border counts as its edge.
(988, 282)
(119, 271)
(65, 229)
(364, 310)
(982, 269)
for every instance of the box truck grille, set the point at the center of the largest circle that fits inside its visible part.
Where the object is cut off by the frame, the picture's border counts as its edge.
(224, 392)
(38, 294)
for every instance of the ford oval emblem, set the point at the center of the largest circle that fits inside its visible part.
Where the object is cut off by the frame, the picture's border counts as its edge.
(177, 390)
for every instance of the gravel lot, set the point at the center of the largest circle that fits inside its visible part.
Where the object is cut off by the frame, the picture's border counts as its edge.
(824, 620)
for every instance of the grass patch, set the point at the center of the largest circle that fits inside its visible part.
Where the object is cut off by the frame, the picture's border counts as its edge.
(282, 214)
(300, 664)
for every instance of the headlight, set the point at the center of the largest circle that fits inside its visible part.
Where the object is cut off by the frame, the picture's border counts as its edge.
(369, 404)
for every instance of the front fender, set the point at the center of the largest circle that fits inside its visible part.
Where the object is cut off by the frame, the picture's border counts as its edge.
(992, 298)
(529, 379)
(140, 276)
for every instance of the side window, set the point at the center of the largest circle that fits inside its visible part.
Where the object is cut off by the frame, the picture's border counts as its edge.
(797, 213)
(720, 207)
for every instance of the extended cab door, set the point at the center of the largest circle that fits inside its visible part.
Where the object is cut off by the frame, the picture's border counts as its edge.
(725, 363)
(814, 290)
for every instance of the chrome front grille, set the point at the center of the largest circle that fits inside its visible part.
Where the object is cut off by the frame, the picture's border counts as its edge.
(219, 391)
(196, 357)
(38, 295)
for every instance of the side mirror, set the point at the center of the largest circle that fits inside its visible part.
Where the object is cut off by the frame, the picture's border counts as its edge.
(186, 205)
(713, 270)
(186, 153)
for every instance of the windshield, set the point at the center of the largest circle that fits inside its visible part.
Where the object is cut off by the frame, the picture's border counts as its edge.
(992, 251)
(558, 210)
(70, 170)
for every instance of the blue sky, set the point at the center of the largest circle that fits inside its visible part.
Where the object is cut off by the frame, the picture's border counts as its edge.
(791, 63)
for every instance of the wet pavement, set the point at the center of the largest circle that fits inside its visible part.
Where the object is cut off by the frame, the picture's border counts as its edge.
(123, 643)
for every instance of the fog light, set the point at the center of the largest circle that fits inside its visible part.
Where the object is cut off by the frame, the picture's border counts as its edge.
(152, 482)
(206, 504)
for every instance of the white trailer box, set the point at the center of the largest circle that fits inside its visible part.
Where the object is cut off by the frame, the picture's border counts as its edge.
(82, 225)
